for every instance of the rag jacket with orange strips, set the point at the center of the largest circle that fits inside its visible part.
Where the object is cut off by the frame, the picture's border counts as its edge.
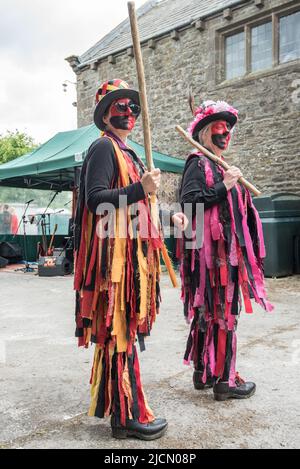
(116, 278)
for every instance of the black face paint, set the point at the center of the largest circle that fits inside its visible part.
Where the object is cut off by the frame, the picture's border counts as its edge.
(220, 134)
(123, 114)
(122, 122)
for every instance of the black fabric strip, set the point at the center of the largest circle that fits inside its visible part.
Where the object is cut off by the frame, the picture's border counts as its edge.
(141, 339)
(135, 406)
(186, 306)
(237, 217)
(86, 322)
(145, 248)
(201, 338)
(100, 408)
(79, 332)
(128, 314)
(251, 221)
(248, 266)
(235, 300)
(136, 281)
(209, 294)
(189, 341)
(234, 273)
(104, 258)
(116, 397)
(216, 333)
(228, 356)
(157, 296)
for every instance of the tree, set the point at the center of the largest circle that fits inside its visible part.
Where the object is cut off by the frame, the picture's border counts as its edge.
(15, 144)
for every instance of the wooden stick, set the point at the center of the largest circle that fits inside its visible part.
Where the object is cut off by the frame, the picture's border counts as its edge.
(146, 125)
(142, 84)
(215, 158)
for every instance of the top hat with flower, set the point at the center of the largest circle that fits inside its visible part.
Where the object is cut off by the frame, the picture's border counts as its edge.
(210, 111)
(108, 92)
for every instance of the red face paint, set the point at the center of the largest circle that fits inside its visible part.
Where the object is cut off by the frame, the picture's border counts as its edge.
(220, 134)
(122, 118)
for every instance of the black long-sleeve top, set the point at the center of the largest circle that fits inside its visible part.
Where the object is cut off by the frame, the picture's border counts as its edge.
(101, 175)
(194, 188)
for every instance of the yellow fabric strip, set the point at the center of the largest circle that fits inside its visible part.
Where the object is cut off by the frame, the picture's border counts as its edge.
(97, 372)
(119, 320)
(143, 274)
(109, 384)
(126, 385)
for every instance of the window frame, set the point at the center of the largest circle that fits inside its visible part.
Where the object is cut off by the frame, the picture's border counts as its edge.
(272, 16)
(278, 17)
(237, 31)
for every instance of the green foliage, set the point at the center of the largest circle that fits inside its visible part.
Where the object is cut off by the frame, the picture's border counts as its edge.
(15, 195)
(15, 144)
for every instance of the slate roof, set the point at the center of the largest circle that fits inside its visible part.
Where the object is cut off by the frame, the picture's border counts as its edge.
(155, 18)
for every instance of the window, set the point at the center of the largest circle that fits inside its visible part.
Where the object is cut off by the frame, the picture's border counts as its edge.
(289, 37)
(235, 55)
(261, 47)
(263, 43)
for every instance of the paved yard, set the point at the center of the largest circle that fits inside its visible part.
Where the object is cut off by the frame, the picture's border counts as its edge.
(44, 376)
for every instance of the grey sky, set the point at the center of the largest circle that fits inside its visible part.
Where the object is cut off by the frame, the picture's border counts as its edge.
(35, 38)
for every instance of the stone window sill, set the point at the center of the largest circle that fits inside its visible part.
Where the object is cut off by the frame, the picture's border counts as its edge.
(278, 69)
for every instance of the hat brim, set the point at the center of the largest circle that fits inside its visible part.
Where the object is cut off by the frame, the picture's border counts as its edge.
(224, 116)
(106, 101)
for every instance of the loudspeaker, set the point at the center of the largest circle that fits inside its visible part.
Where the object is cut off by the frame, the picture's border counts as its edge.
(54, 266)
(3, 262)
(11, 251)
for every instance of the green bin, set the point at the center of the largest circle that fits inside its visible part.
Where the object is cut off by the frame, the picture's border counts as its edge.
(280, 216)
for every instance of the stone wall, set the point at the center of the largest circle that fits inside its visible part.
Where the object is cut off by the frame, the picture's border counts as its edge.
(266, 142)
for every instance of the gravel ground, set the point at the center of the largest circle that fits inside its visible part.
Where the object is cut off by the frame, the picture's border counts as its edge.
(44, 376)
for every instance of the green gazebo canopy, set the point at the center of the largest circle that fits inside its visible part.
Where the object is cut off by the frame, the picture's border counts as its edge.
(53, 165)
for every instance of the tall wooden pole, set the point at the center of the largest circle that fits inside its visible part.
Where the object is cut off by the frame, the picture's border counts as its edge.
(215, 158)
(146, 125)
(142, 84)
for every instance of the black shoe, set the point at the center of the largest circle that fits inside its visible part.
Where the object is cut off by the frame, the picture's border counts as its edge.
(242, 390)
(198, 383)
(143, 431)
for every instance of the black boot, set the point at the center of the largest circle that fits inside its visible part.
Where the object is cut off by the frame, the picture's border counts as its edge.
(143, 431)
(198, 383)
(242, 390)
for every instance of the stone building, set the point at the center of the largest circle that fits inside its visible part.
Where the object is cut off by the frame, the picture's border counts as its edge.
(245, 52)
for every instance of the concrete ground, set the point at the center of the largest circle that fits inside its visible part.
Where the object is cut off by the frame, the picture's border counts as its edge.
(44, 391)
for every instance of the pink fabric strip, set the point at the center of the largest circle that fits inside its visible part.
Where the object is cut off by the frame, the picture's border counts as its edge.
(211, 350)
(208, 240)
(233, 360)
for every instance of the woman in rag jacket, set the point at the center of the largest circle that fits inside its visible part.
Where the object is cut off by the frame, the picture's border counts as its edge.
(228, 265)
(117, 277)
